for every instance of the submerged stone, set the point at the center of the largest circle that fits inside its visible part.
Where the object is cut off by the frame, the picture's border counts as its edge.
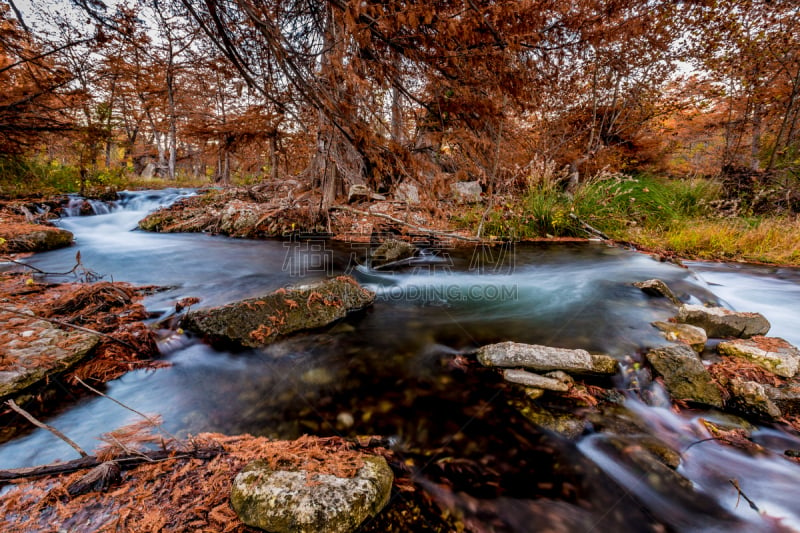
(298, 502)
(566, 424)
(771, 353)
(685, 333)
(722, 323)
(684, 374)
(259, 321)
(545, 358)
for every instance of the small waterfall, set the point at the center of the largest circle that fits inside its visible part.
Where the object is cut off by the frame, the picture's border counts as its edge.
(126, 200)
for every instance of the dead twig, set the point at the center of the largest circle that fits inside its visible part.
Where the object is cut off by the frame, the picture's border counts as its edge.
(735, 484)
(404, 223)
(13, 405)
(590, 229)
(73, 326)
(152, 422)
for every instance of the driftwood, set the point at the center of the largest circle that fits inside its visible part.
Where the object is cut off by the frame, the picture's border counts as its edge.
(125, 463)
(404, 223)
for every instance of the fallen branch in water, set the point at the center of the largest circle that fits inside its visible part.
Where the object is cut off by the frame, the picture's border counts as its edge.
(87, 274)
(30, 418)
(73, 326)
(735, 484)
(124, 463)
(404, 223)
(152, 421)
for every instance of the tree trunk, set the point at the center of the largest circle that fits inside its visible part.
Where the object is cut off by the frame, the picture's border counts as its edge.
(755, 142)
(273, 157)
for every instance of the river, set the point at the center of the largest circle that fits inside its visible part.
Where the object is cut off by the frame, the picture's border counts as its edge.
(369, 373)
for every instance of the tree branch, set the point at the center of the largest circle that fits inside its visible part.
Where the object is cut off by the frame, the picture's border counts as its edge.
(30, 418)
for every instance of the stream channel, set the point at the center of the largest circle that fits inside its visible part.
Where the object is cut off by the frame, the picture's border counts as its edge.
(381, 371)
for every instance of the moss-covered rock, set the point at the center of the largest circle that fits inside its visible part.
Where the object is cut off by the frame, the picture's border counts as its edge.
(751, 399)
(259, 321)
(685, 333)
(391, 251)
(32, 238)
(684, 374)
(771, 353)
(298, 502)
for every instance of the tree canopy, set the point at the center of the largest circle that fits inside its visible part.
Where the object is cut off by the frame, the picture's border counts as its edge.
(375, 93)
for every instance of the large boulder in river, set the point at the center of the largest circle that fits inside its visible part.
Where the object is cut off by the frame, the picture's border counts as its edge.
(297, 501)
(544, 358)
(771, 353)
(684, 374)
(260, 321)
(722, 323)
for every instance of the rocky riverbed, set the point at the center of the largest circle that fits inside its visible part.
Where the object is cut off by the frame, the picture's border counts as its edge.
(524, 431)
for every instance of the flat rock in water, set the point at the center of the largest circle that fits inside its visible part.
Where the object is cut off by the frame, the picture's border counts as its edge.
(685, 376)
(545, 358)
(656, 287)
(259, 321)
(685, 333)
(298, 502)
(529, 379)
(35, 349)
(722, 323)
(771, 353)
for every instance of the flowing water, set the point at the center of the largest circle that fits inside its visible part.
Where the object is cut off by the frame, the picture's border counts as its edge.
(381, 370)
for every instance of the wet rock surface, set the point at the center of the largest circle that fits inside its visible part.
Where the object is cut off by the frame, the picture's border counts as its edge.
(33, 349)
(656, 287)
(296, 501)
(723, 323)
(391, 251)
(259, 321)
(684, 374)
(685, 333)
(529, 379)
(545, 358)
(751, 398)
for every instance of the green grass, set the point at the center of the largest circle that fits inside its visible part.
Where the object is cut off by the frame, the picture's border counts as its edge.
(19, 178)
(613, 205)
